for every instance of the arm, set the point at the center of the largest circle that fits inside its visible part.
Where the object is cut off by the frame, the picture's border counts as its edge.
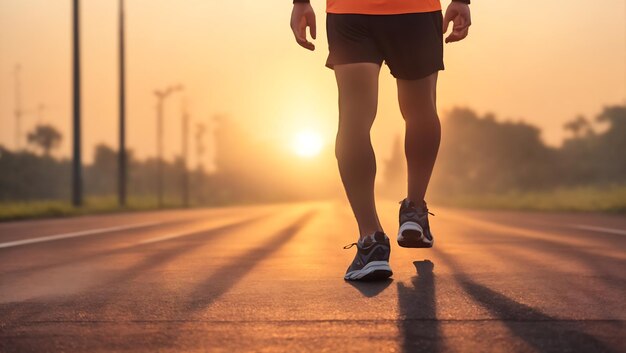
(458, 13)
(302, 17)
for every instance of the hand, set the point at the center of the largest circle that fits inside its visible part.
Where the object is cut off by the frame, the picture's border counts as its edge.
(302, 17)
(459, 14)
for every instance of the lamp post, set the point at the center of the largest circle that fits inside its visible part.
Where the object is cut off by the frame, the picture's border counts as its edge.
(77, 191)
(161, 95)
(122, 163)
(185, 153)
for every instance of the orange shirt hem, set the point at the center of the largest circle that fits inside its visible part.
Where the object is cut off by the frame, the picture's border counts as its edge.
(381, 7)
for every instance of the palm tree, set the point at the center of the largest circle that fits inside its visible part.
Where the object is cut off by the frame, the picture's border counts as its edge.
(46, 137)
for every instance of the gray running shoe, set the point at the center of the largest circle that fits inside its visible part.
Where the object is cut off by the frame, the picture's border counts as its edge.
(414, 229)
(371, 262)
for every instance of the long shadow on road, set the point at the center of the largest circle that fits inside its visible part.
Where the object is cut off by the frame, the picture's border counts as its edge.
(606, 267)
(91, 254)
(94, 302)
(418, 312)
(101, 295)
(227, 276)
(541, 331)
(212, 287)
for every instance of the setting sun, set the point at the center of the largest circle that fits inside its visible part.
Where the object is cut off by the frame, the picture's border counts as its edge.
(307, 143)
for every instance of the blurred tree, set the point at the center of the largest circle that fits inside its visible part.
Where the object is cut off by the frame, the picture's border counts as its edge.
(100, 176)
(579, 126)
(611, 154)
(481, 154)
(27, 176)
(46, 137)
(597, 158)
(616, 117)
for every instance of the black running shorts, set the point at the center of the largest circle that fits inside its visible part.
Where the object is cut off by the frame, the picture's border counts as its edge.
(411, 44)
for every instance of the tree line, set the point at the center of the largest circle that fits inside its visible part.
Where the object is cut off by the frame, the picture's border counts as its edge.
(478, 154)
(246, 170)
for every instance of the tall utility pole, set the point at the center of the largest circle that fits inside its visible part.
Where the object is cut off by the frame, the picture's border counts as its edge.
(122, 174)
(185, 154)
(77, 190)
(161, 96)
(199, 137)
(18, 109)
(200, 131)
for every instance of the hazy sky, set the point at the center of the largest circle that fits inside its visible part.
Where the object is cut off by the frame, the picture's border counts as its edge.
(541, 61)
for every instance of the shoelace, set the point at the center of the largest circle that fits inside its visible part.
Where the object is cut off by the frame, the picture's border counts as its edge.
(425, 209)
(353, 244)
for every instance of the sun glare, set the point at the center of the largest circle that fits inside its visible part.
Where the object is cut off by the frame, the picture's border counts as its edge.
(307, 143)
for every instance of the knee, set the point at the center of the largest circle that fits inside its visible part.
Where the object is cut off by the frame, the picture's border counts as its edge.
(350, 141)
(419, 110)
(421, 114)
(342, 143)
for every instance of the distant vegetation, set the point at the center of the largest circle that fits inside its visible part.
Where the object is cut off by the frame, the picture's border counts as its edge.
(482, 154)
(248, 170)
(492, 163)
(483, 162)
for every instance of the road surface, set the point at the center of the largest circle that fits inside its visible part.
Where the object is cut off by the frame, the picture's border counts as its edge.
(270, 278)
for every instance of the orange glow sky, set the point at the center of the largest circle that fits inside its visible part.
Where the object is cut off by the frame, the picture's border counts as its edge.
(543, 61)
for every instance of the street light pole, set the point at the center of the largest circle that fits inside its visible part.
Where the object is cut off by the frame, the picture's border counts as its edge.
(122, 163)
(199, 141)
(161, 96)
(200, 131)
(77, 192)
(185, 132)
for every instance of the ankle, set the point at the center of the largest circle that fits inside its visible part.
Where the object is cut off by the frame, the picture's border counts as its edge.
(417, 202)
(365, 234)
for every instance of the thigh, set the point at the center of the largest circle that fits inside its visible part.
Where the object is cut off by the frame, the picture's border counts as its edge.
(417, 97)
(358, 93)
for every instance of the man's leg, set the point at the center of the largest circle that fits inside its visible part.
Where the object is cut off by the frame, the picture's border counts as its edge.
(358, 101)
(423, 132)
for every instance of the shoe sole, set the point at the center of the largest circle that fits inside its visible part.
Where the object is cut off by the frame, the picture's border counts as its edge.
(373, 271)
(411, 235)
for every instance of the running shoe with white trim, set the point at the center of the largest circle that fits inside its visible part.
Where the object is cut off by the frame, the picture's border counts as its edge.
(371, 262)
(414, 229)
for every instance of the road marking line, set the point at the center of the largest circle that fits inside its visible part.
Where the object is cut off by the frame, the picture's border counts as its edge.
(76, 234)
(600, 229)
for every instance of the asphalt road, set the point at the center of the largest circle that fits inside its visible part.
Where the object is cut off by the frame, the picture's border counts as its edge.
(270, 279)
